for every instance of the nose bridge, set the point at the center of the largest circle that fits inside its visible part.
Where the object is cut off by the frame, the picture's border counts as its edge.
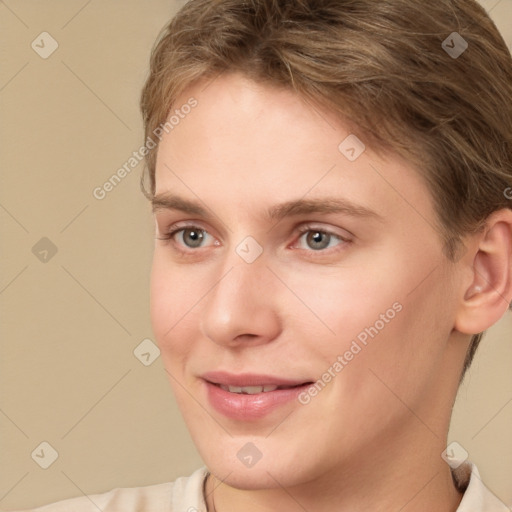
(240, 305)
(243, 272)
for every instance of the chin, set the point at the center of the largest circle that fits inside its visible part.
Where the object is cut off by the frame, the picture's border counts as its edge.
(261, 476)
(273, 463)
(246, 479)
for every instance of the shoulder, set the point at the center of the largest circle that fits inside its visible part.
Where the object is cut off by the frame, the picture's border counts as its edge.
(183, 495)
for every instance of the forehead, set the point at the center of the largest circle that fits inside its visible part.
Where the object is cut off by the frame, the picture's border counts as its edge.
(259, 144)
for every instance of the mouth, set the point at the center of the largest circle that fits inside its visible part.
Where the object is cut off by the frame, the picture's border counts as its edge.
(250, 397)
(251, 383)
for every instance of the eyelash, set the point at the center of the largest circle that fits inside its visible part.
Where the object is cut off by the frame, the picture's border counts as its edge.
(169, 236)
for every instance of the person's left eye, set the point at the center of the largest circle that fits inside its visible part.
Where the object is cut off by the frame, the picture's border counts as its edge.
(319, 239)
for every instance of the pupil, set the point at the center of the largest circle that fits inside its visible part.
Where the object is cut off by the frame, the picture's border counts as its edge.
(318, 240)
(194, 237)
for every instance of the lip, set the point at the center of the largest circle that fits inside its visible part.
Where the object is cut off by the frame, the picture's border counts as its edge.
(245, 407)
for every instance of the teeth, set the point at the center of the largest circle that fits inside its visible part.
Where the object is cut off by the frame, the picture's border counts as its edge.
(249, 390)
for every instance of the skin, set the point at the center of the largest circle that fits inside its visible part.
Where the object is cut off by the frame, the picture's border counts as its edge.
(373, 437)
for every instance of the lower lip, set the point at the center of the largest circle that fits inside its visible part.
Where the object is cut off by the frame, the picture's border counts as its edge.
(239, 406)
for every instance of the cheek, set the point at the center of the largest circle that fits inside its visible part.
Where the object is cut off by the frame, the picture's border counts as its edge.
(380, 307)
(174, 293)
(340, 303)
(408, 350)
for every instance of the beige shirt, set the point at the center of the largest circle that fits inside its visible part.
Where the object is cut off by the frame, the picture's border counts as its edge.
(186, 495)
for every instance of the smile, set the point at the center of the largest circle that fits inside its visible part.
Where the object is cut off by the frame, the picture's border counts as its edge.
(250, 397)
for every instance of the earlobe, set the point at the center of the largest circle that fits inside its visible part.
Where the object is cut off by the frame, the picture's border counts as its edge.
(489, 294)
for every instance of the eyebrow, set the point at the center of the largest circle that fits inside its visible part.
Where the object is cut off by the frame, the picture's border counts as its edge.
(277, 212)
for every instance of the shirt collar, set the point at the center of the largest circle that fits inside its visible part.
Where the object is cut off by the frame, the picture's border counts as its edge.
(477, 497)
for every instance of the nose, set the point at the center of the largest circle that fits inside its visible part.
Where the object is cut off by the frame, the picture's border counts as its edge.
(241, 308)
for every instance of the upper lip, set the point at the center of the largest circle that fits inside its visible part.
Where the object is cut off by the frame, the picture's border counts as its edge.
(249, 379)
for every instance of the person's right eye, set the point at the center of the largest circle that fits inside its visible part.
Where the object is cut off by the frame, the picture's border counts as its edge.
(188, 237)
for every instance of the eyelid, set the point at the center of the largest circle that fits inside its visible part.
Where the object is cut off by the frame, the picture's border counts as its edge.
(304, 228)
(344, 240)
(169, 233)
(176, 226)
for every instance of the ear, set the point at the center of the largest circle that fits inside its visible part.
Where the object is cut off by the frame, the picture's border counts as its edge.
(487, 293)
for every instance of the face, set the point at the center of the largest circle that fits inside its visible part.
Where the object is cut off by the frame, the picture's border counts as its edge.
(299, 296)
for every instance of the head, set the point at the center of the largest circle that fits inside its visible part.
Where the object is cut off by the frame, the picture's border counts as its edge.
(257, 104)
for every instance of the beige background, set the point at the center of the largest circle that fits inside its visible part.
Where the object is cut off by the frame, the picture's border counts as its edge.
(68, 374)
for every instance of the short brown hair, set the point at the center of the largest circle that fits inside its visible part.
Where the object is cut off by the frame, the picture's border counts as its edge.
(381, 66)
